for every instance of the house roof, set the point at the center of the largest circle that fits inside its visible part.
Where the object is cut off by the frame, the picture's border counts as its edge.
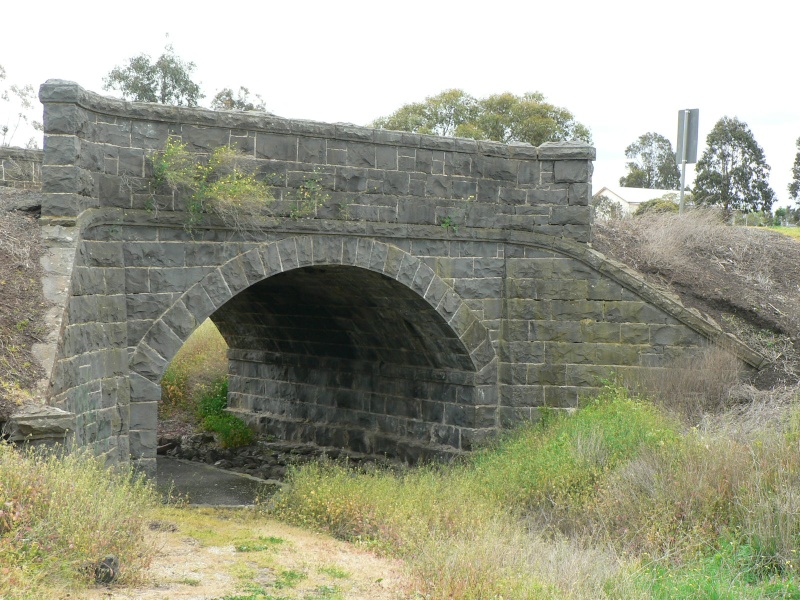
(631, 195)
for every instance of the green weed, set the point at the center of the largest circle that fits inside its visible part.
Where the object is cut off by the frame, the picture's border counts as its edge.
(308, 196)
(262, 543)
(230, 429)
(289, 579)
(334, 571)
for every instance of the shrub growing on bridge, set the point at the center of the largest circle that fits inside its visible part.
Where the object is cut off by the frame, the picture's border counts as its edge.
(222, 183)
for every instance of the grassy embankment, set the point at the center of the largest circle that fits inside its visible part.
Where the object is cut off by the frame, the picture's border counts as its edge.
(617, 501)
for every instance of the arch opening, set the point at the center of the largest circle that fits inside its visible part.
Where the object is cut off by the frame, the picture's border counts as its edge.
(348, 358)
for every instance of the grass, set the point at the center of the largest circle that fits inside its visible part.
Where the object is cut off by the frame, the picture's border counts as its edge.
(55, 526)
(200, 362)
(617, 501)
(194, 388)
(262, 543)
(793, 232)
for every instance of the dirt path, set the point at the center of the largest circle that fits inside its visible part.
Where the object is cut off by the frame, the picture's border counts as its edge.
(198, 560)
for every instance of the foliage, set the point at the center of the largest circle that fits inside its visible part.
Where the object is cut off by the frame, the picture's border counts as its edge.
(166, 81)
(604, 208)
(308, 196)
(733, 172)
(785, 216)
(200, 362)
(224, 185)
(225, 100)
(794, 184)
(195, 387)
(502, 118)
(656, 205)
(695, 509)
(55, 526)
(459, 527)
(20, 101)
(559, 462)
(230, 429)
(652, 164)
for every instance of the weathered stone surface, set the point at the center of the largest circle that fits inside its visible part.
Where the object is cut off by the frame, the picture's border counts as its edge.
(39, 424)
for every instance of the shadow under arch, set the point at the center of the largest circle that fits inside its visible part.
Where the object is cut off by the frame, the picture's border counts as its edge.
(338, 341)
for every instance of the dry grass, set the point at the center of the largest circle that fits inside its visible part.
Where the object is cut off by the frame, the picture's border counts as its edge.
(693, 386)
(21, 308)
(55, 525)
(745, 278)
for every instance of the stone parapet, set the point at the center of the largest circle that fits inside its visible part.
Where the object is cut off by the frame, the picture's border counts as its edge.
(20, 168)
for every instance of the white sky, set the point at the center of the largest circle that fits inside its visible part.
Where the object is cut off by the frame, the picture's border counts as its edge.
(622, 68)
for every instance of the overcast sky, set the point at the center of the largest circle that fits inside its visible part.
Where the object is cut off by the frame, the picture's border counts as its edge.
(622, 68)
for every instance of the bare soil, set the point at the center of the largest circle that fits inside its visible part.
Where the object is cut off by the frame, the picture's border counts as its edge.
(190, 566)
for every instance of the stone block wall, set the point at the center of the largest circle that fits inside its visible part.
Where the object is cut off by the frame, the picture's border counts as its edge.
(20, 168)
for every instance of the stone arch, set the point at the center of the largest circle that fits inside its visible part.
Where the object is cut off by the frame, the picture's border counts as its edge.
(470, 341)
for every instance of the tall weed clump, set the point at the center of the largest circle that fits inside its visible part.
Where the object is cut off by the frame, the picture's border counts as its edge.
(60, 516)
(692, 387)
(223, 183)
(554, 468)
(230, 429)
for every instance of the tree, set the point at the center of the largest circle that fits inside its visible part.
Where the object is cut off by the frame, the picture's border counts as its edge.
(18, 101)
(225, 100)
(668, 203)
(501, 117)
(605, 209)
(167, 80)
(732, 171)
(652, 164)
(442, 114)
(794, 185)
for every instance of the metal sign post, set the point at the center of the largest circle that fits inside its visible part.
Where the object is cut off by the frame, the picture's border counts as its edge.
(687, 144)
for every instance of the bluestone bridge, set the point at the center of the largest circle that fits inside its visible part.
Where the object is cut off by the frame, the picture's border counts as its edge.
(444, 289)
